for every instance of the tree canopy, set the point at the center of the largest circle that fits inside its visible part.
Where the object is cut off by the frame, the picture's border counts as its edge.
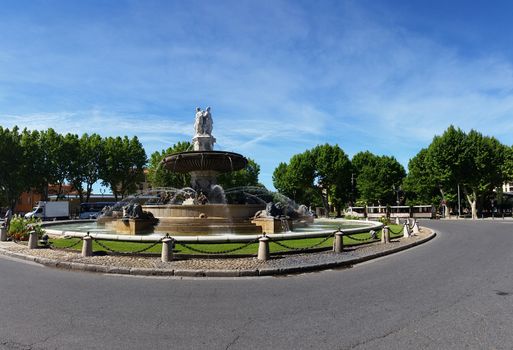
(378, 178)
(475, 163)
(161, 177)
(319, 175)
(123, 165)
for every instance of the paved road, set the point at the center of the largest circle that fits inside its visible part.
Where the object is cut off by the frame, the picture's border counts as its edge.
(455, 291)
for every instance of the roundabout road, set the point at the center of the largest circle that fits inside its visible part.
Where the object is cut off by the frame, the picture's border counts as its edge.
(455, 291)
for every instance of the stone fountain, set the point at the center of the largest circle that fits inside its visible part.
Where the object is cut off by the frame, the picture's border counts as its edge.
(203, 209)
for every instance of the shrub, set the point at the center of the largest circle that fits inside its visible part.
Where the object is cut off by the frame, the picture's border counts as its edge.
(384, 220)
(20, 227)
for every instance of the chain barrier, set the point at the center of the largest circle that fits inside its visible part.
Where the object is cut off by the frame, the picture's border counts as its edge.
(394, 233)
(130, 252)
(201, 251)
(67, 247)
(304, 248)
(373, 237)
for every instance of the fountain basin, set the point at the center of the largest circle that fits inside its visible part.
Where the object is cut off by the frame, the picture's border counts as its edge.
(191, 220)
(217, 161)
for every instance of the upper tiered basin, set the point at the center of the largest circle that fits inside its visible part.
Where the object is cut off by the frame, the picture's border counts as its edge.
(218, 161)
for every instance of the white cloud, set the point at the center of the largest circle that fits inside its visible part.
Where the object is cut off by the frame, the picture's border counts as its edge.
(279, 77)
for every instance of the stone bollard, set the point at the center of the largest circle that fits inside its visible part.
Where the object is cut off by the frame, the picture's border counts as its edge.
(3, 234)
(415, 228)
(406, 230)
(32, 243)
(397, 220)
(263, 248)
(338, 246)
(167, 249)
(87, 246)
(385, 235)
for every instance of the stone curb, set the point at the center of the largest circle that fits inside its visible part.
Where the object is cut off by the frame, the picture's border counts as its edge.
(211, 273)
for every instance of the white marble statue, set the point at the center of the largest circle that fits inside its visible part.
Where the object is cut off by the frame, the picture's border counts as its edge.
(203, 123)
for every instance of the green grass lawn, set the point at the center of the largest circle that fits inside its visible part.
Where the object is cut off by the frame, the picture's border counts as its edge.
(213, 248)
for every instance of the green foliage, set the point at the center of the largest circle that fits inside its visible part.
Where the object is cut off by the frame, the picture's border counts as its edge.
(122, 165)
(477, 164)
(378, 178)
(419, 184)
(508, 163)
(321, 174)
(14, 168)
(158, 176)
(35, 159)
(20, 228)
(244, 177)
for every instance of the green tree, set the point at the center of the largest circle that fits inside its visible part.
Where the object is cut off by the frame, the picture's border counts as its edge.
(475, 163)
(419, 184)
(37, 162)
(508, 163)
(158, 176)
(122, 166)
(484, 164)
(14, 177)
(323, 172)
(248, 176)
(84, 165)
(446, 159)
(378, 178)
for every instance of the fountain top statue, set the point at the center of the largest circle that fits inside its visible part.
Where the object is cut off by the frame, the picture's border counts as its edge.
(203, 124)
(203, 163)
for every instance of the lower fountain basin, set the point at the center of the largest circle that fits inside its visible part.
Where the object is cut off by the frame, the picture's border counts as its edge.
(191, 220)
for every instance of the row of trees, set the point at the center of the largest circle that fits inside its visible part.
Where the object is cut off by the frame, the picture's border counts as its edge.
(472, 163)
(325, 174)
(475, 164)
(35, 159)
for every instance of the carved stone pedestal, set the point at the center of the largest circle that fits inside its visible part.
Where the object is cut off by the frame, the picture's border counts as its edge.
(273, 225)
(131, 226)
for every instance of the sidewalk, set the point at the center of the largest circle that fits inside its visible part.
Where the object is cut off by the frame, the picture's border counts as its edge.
(213, 267)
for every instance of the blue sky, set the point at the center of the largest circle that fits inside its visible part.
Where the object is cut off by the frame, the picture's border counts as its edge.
(280, 76)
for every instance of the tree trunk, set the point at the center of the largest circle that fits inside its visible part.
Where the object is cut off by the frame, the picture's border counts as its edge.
(473, 204)
(445, 206)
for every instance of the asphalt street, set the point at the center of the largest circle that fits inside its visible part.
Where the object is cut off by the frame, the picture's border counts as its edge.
(454, 292)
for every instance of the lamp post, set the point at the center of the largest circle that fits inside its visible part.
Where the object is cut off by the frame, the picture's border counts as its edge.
(459, 202)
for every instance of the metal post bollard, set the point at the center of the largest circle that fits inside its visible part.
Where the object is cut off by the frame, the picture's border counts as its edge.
(385, 235)
(263, 248)
(167, 249)
(87, 246)
(32, 243)
(338, 247)
(406, 230)
(3, 234)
